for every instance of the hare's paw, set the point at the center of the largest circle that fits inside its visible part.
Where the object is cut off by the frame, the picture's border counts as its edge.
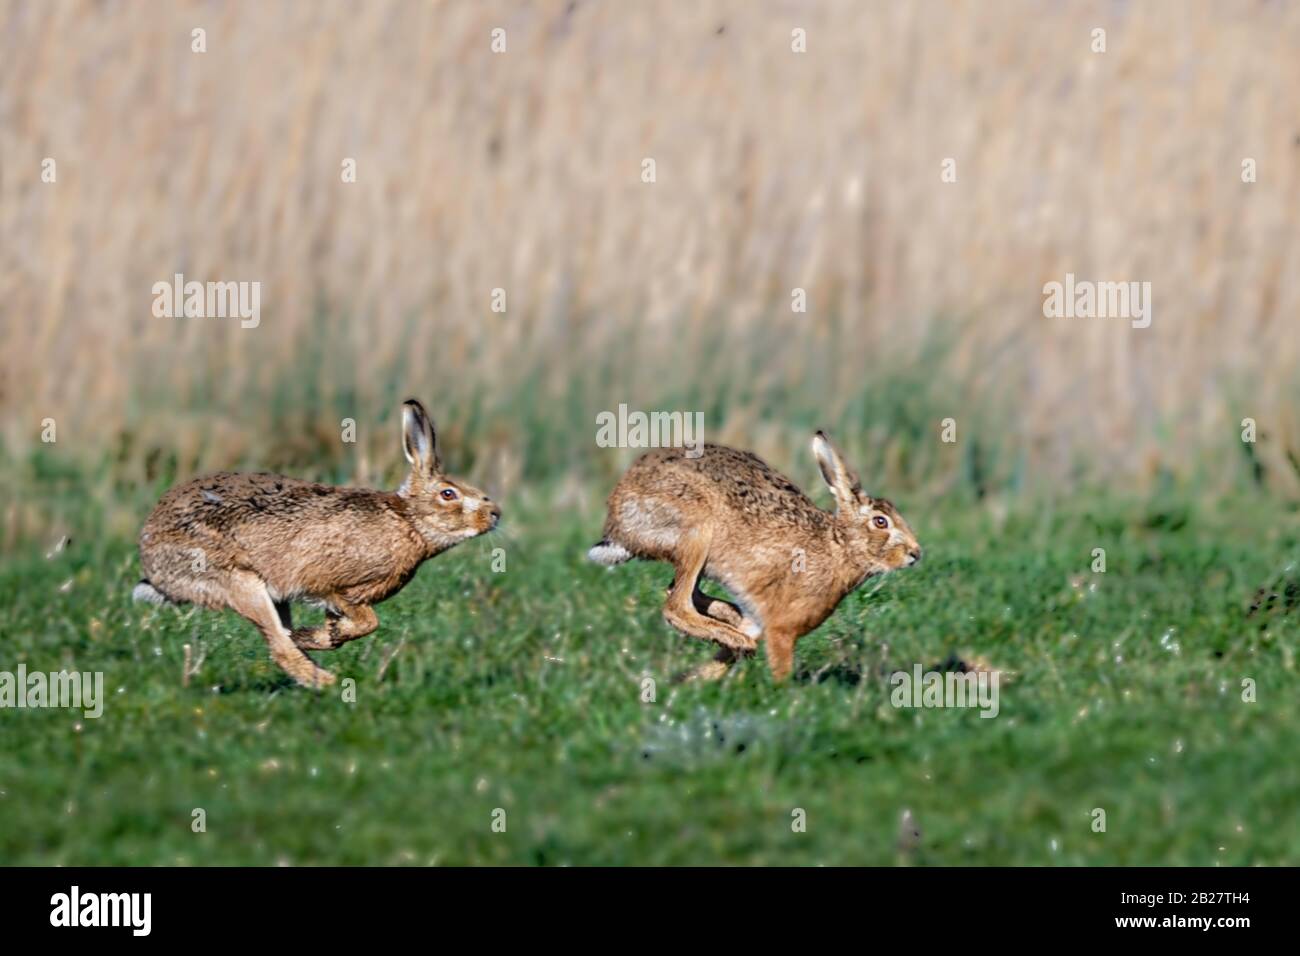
(312, 638)
(346, 623)
(315, 678)
(303, 669)
(713, 670)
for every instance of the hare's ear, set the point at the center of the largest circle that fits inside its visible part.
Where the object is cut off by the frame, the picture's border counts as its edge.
(841, 480)
(418, 440)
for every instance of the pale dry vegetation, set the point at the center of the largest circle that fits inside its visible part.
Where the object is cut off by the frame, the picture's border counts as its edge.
(775, 170)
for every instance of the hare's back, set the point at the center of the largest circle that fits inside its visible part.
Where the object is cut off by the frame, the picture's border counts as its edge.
(726, 479)
(229, 501)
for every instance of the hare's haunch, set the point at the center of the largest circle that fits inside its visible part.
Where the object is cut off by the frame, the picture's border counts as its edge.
(256, 543)
(729, 517)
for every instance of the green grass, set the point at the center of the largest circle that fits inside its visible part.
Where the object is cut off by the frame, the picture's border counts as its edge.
(522, 690)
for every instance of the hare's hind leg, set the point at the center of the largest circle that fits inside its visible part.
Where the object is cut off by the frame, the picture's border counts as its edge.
(716, 608)
(715, 669)
(343, 622)
(719, 610)
(681, 611)
(249, 598)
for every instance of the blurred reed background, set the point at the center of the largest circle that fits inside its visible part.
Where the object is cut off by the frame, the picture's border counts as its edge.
(775, 170)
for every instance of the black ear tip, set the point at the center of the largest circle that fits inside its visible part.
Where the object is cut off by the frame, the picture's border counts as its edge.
(820, 434)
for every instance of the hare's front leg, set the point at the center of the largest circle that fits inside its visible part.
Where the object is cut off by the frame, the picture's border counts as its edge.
(780, 651)
(249, 597)
(343, 622)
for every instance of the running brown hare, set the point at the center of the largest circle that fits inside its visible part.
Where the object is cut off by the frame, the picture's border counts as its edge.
(729, 517)
(254, 543)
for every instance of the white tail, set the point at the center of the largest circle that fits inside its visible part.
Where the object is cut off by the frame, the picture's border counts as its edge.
(609, 554)
(146, 593)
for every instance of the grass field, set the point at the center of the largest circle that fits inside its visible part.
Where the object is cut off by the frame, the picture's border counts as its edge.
(522, 691)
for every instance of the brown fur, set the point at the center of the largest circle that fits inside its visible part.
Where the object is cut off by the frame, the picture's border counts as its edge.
(256, 543)
(729, 517)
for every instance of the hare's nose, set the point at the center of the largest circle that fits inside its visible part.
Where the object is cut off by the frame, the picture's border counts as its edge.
(915, 555)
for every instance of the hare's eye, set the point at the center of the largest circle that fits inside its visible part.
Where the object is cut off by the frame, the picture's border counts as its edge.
(448, 494)
(881, 521)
